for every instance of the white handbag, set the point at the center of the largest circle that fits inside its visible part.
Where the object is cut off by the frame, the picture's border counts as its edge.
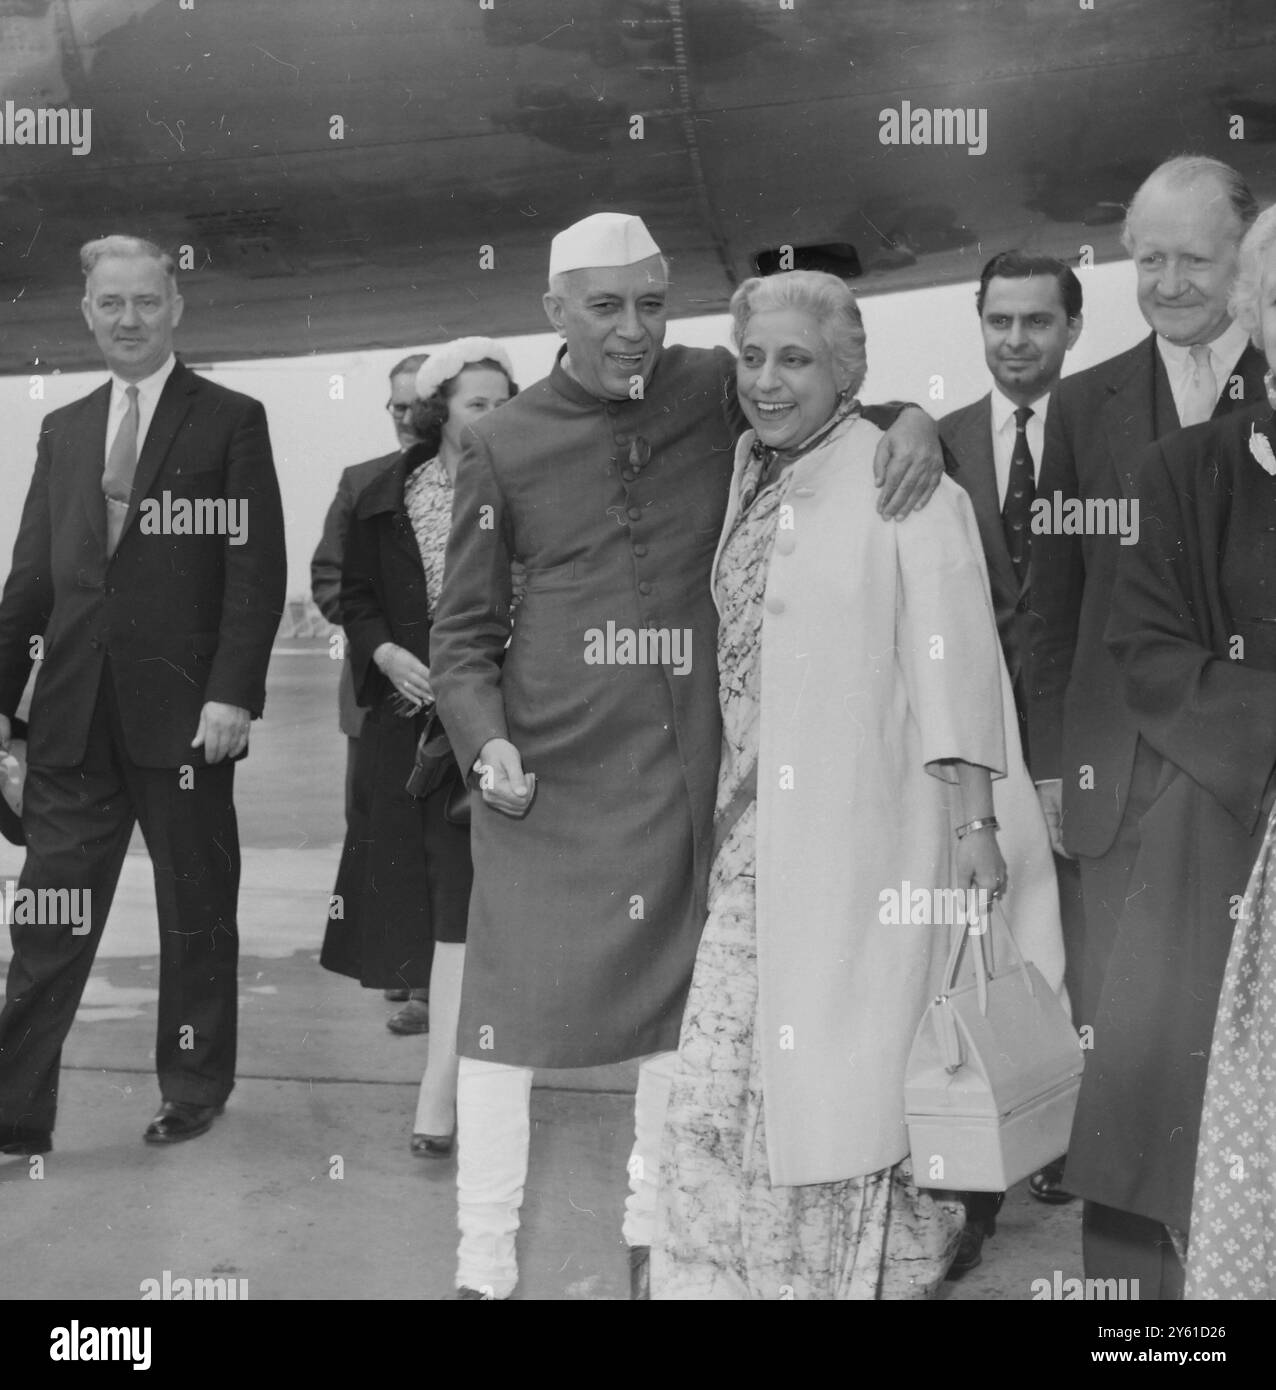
(994, 1071)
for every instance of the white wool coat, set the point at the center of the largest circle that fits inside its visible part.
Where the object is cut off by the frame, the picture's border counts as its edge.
(880, 659)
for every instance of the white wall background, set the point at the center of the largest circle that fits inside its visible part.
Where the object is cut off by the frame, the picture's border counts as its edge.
(912, 337)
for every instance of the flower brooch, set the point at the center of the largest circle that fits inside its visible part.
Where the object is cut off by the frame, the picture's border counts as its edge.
(1260, 446)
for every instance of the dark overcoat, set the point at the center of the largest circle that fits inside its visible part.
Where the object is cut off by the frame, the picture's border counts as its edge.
(1100, 423)
(405, 874)
(325, 573)
(586, 914)
(1193, 629)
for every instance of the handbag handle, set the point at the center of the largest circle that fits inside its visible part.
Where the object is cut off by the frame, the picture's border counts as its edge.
(947, 1035)
(1018, 954)
(981, 960)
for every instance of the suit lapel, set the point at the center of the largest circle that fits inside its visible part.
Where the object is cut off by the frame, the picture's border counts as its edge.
(1140, 404)
(1129, 413)
(91, 460)
(404, 538)
(972, 444)
(1250, 369)
(385, 496)
(174, 403)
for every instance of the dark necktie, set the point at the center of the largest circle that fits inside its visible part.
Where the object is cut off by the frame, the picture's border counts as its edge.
(121, 465)
(1016, 514)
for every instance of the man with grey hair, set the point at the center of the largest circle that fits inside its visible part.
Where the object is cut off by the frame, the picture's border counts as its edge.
(149, 575)
(1183, 230)
(595, 720)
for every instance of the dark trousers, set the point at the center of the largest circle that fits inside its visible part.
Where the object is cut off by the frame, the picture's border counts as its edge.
(78, 822)
(1105, 880)
(1119, 1245)
(982, 1209)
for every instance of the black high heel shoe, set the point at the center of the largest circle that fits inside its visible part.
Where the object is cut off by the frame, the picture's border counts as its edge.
(433, 1145)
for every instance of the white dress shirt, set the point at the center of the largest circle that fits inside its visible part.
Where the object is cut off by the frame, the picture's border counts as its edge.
(1003, 437)
(148, 394)
(1225, 353)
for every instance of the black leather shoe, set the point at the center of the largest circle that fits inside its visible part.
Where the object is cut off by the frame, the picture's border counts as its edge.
(1046, 1184)
(178, 1120)
(970, 1250)
(466, 1294)
(981, 1222)
(16, 1140)
(640, 1272)
(433, 1145)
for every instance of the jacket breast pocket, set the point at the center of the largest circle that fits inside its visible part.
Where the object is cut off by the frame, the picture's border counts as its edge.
(203, 476)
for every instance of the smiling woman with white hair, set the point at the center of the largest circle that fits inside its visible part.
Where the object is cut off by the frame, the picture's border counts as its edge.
(404, 883)
(869, 743)
(1193, 629)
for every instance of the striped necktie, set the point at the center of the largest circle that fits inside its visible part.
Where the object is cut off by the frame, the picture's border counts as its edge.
(121, 465)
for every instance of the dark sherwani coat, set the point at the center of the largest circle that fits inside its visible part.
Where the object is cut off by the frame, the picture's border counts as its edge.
(586, 914)
(1202, 576)
(404, 881)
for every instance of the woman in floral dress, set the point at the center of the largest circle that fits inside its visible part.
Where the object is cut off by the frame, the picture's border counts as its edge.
(866, 715)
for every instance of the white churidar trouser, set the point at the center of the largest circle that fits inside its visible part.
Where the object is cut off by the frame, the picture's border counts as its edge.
(493, 1105)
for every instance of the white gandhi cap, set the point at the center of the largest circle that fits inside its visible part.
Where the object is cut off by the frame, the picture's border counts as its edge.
(602, 239)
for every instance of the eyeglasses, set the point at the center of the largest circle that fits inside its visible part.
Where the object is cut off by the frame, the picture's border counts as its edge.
(397, 410)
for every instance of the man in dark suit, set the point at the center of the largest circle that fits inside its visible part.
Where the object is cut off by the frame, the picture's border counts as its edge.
(149, 573)
(1030, 316)
(325, 588)
(1183, 229)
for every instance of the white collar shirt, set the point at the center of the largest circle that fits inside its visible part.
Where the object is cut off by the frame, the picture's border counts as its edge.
(1003, 437)
(149, 390)
(1225, 353)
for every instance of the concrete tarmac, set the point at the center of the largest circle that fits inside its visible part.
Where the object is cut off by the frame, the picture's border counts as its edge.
(305, 1188)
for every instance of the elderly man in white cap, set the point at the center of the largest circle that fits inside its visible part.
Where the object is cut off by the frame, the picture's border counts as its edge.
(608, 479)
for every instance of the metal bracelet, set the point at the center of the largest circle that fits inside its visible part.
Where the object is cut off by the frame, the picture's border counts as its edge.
(988, 823)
